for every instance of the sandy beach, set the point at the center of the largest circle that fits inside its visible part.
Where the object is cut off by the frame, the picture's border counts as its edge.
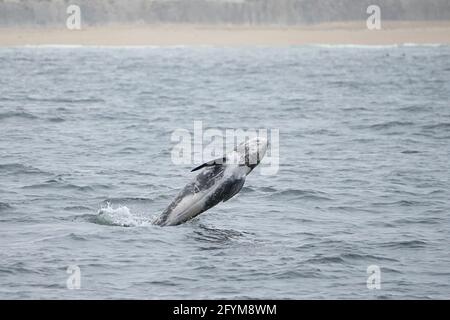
(331, 33)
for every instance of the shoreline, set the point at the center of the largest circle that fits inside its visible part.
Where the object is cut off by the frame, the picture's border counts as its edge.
(340, 33)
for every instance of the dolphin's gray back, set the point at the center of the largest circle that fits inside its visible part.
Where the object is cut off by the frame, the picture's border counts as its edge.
(212, 185)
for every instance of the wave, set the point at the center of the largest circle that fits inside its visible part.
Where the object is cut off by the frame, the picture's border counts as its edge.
(302, 194)
(77, 208)
(390, 124)
(214, 235)
(124, 200)
(77, 237)
(4, 206)
(295, 274)
(56, 119)
(65, 100)
(353, 46)
(405, 244)
(58, 182)
(414, 108)
(18, 168)
(17, 114)
(128, 150)
(19, 268)
(27, 116)
(425, 220)
(441, 125)
(431, 45)
(247, 190)
(357, 256)
(376, 46)
(59, 185)
(329, 259)
(30, 116)
(267, 189)
(348, 258)
(211, 46)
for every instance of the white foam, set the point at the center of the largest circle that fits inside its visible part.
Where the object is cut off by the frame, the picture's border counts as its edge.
(355, 46)
(432, 45)
(373, 46)
(121, 216)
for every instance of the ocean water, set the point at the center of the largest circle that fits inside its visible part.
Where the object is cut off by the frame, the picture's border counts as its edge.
(363, 177)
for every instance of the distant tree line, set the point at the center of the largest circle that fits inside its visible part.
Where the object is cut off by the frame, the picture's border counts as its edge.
(240, 12)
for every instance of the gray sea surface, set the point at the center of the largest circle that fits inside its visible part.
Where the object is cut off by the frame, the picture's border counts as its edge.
(363, 177)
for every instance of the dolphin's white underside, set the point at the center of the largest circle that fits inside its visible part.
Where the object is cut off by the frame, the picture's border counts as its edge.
(194, 203)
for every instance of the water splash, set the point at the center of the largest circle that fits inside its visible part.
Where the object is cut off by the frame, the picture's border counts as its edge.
(121, 216)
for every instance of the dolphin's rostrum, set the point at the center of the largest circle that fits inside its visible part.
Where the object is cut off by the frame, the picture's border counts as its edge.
(219, 180)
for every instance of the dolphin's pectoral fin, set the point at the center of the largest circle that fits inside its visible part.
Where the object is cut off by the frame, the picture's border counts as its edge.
(234, 189)
(215, 162)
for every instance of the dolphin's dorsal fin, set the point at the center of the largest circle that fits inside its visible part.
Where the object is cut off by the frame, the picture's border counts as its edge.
(234, 189)
(215, 162)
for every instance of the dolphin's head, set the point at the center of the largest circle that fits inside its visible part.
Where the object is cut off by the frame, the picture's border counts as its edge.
(252, 151)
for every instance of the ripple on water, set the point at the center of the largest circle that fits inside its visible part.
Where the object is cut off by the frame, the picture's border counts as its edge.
(404, 244)
(213, 235)
(125, 200)
(78, 208)
(56, 119)
(5, 206)
(445, 126)
(362, 179)
(18, 115)
(302, 194)
(57, 184)
(390, 125)
(18, 168)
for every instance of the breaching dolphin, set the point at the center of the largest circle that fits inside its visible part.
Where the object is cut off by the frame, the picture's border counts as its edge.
(219, 180)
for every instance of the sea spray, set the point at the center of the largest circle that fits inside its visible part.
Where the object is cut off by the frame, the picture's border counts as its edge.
(121, 216)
